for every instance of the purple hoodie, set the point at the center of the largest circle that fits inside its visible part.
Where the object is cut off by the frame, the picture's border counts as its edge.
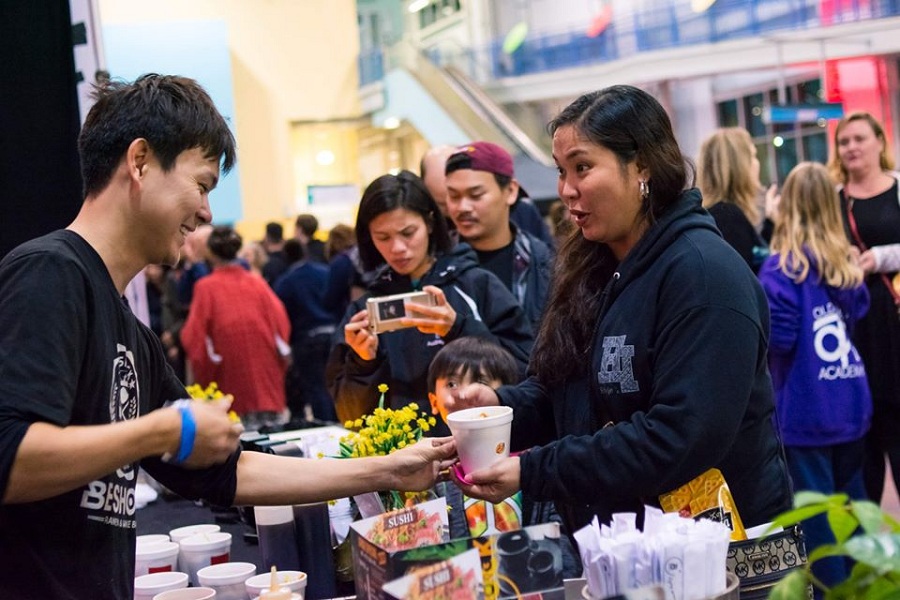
(821, 392)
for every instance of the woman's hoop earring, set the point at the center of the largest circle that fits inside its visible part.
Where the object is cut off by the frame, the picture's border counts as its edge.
(645, 189)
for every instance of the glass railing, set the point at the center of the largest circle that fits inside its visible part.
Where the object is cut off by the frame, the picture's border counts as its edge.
(371, 67)
(673, 26)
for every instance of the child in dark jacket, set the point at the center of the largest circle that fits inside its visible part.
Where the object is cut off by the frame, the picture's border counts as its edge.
(816, 294)
(460, 363)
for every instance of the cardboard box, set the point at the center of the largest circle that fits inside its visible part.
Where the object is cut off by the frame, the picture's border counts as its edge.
(513, 564)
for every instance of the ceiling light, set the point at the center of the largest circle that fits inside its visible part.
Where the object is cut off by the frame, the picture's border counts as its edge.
(325, 158)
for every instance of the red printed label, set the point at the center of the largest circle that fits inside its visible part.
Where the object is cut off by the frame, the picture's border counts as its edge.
(162, 569)
(222, 558)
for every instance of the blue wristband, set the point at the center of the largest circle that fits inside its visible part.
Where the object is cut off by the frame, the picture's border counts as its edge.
(188, 432)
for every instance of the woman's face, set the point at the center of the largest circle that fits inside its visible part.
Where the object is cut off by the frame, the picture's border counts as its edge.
(401, 237)
(603, 198)
(858, 148)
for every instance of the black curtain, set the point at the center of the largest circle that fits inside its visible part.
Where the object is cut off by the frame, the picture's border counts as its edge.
(40, 181)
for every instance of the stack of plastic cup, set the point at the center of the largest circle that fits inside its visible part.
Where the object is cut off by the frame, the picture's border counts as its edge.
(155, 557)
(203, 550)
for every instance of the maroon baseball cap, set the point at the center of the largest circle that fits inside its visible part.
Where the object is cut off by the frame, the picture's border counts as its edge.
(481, 156)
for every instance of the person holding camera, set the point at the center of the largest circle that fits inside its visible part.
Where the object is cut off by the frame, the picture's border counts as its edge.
(402, 235)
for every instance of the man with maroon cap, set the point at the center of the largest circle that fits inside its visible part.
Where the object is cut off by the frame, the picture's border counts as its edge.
(481, 188)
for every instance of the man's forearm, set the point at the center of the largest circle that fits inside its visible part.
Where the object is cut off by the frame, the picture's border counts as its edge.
(52, 460)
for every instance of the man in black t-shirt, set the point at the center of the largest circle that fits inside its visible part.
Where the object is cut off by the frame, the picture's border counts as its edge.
(481, 188)
(84, 387)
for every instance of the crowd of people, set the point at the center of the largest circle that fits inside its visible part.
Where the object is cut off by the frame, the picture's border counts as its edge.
(661, 330)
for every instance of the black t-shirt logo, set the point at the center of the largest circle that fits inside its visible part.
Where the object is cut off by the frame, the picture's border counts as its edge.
(123, 400)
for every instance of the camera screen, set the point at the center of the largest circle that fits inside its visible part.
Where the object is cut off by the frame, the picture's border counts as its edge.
(391, 309)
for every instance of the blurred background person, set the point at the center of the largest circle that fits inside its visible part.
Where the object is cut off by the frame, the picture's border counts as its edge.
(402, 234)
(305, 228)
(816, 294)
(862, 165)
(313, 322)
(346, 281)
(232, 335)
(254, 256)
(431, 170)
(561, 223)
(728, 178)
(273, 244)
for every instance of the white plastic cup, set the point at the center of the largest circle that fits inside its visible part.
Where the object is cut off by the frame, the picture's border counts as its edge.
(295, 581)
(194, 593)
(481, 434)
(203, 550)
(227, 579)
(155, 557)
(153, 538)
(148, 586)
(187, 531)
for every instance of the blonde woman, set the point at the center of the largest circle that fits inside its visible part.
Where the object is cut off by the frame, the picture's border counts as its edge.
(728, 177)
(816, 294)
(862, 165)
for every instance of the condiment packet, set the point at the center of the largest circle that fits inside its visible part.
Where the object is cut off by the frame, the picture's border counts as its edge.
(706, 497)
(683, 557)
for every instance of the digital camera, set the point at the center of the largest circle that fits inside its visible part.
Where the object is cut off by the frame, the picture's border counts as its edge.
(385, 312)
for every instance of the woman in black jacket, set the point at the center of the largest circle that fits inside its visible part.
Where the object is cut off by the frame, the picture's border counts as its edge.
(650, 364)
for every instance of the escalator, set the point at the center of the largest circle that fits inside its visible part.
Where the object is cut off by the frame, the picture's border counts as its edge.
(457, 97)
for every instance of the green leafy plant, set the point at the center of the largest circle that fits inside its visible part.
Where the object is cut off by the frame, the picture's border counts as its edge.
(862, 532)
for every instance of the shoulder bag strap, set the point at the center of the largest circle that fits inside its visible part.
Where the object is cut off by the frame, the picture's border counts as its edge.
(851, 220)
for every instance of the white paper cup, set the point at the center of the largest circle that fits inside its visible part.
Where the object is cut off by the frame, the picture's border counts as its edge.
(194, 593)
(481, 434)
(293, 580)
(155, 557)
(148, 586)
(203, 550)
(227, 579)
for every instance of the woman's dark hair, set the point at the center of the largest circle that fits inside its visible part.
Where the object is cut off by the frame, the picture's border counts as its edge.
(388, 193)
(631, 124)
(224, 242)
(172, 113)
(474, 355)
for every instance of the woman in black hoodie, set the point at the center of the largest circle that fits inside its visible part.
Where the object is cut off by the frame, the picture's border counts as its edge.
(650, 364)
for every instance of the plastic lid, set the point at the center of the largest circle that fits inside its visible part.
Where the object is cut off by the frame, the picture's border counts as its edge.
(226, 573)
(273, 515)
(183, 532)
(154, 581)
(205, 541)
(156, 550)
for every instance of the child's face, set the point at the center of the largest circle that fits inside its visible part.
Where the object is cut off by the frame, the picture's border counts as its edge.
(448, 387)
